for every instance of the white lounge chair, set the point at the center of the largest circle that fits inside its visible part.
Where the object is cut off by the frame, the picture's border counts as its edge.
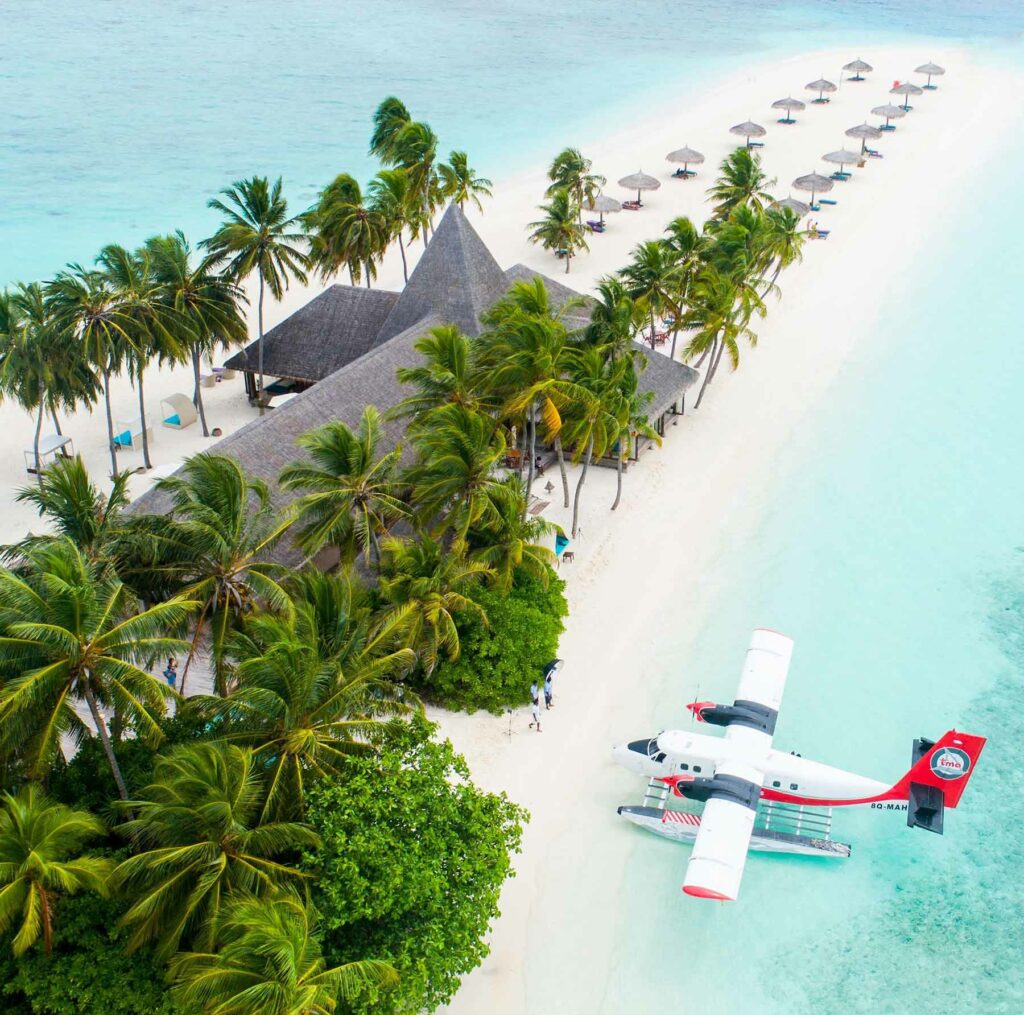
(177, 411)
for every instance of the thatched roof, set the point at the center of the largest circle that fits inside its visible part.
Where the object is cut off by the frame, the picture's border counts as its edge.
(333, 329)
(667, 379)
(457, 280)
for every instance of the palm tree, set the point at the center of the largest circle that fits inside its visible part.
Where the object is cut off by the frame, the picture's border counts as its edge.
(196, 838)
(150, 333)
(40, 859)
(653, 281)
(312, 687)
(353, 493)
(268, 960)
(559, 230)
(784, 241)
(424, 587)
(205, 303)
(388, 120)
(223, 522)
(614, 319)
(632, 424)
(570, 172)
(459, 182)
(741, 180)
(258, 235)
(346, 231)
(73, 633)
(595, 421)
(509, 542)
(76, 508)
(446, 378)
(453, 480)
(92, 315)
(688, 249)
(415, 150)
(390, 201)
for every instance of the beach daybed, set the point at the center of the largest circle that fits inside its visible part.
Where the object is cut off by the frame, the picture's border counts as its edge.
(128, 433)
(49, 447)
(177, 411)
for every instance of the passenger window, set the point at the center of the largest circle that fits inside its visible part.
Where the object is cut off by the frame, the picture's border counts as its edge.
(793, 785)
(684, 767)
(776, 784)
(696, 768)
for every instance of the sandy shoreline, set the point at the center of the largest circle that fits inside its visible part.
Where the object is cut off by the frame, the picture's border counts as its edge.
(710, 481)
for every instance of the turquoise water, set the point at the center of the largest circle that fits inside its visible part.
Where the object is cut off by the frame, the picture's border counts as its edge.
(122, 118)
(894, 553)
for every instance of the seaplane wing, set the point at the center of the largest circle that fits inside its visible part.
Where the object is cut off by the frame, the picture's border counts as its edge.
(720, 849)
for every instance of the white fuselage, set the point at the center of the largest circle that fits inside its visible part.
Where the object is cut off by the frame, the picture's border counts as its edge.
(679, 752)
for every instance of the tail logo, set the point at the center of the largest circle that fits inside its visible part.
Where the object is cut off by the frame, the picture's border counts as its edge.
(950, 763)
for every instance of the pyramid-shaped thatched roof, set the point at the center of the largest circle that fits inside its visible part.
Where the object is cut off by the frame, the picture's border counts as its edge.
(457, 280)
(330, 331)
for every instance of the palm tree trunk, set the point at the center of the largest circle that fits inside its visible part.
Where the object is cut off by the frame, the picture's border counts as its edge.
(198, 396)
(703, 356)
(579, 487)
(618, 478)
(192, 649)
(56, 421)
(142, 417)
(259, 325)
(108, 747)
(368, 286)
(351, 276)
(652, 327)
(35, 445)
(675, 335)
(718, 359)
(707, 376)
(110, 425)
(532, 453)
(47, 919)
(401, 247)
(561, 469)
(568, 261)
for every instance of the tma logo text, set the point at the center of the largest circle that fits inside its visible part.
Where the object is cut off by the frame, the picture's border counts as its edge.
(950, 763)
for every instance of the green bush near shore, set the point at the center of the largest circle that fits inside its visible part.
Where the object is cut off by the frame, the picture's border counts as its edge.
(499, 660)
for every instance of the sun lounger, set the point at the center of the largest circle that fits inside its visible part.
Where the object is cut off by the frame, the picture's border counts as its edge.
(873, 153)
(820, 102)
(887, 126)
(128, 433)
(684, 174)
(841, 176)
(595, 226)
(631, 205)
(755, 144)
(827, 200)
(819, 234)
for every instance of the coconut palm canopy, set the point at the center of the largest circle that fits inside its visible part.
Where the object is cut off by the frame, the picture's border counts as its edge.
(814, 182)
(820, 86)
(793, 204)
(864, 131)
(931, 69)
(906, 89)
(686, 156)
(842, 157)
(788, 104)
(890, 112)
(748, 129)
(858, 66)
(602, 203)
(639, 181)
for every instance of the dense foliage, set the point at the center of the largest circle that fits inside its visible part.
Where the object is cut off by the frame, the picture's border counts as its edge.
(499, 659)
(412, 862)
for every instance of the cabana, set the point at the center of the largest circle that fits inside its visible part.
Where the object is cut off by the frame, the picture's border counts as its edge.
(50, 446)
(128, 433)
(177, 411)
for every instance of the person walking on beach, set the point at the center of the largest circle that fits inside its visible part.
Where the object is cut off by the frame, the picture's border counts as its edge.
(549, 694)
(171, 673)
(534, 691)
(535, 712)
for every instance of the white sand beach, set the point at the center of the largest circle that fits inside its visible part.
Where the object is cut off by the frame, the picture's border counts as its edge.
(683, 502)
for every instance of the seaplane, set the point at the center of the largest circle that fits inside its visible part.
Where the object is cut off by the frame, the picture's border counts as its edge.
(757, 797)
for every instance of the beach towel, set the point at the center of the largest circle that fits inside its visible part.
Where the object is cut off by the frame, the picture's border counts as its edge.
(174, 420)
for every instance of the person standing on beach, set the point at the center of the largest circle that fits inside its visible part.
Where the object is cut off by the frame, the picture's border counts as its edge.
(534, 691)
(535, 712)
(171, 673)
(549, 694)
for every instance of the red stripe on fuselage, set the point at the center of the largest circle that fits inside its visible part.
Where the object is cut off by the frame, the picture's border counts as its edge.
(896, 793)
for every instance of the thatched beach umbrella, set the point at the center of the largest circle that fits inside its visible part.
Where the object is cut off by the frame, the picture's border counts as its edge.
(602, 203)
(748, 129)
(865, 132)
(933, 70)
(906, 90)
(842, 158)
(890, 112)
(794, 205)
(815, 183)
(687, 156)
(638, 182)
(820, 86)
(789, 105)
(859, 69)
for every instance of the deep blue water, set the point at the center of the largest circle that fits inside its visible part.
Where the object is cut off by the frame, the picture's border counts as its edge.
(122, 118)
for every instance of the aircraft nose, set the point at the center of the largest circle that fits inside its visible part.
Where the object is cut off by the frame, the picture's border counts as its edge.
(629, 757)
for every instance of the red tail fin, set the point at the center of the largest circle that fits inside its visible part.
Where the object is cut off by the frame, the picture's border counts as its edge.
(947, 765)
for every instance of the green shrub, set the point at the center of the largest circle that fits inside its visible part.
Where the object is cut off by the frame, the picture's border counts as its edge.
(499, 661)
(412, 863)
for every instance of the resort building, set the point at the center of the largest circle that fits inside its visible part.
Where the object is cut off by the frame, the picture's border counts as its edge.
(342, 351)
